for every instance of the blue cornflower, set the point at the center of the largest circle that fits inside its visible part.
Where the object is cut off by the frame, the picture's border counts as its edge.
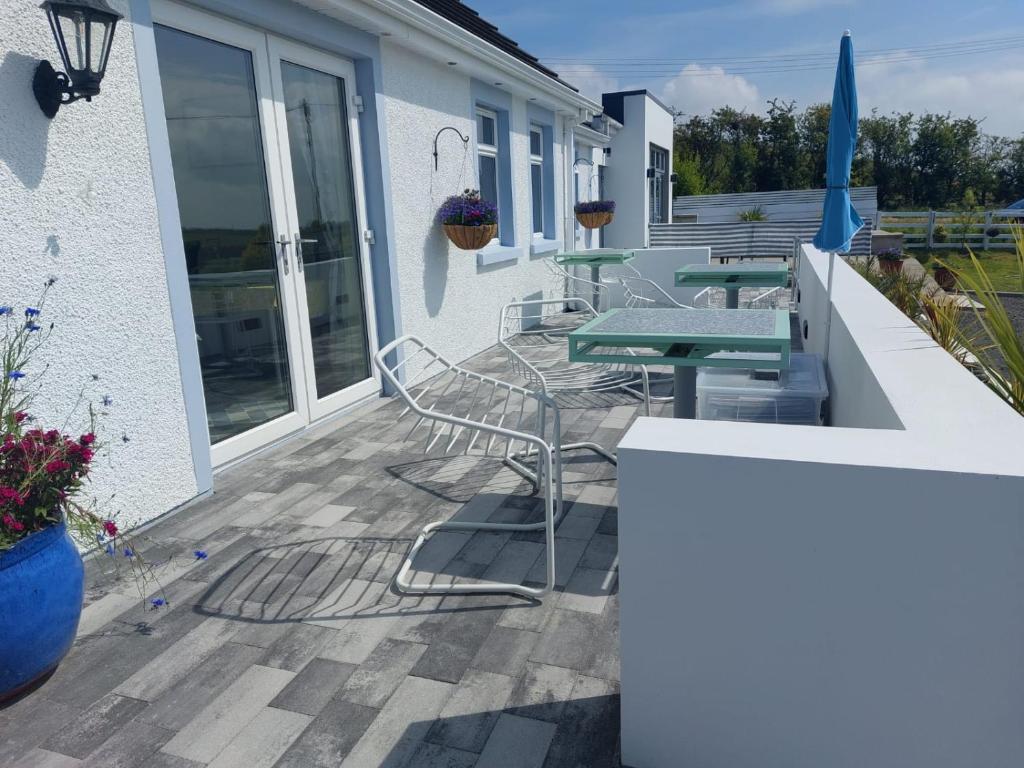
(6, 310)
(129, 552)
(107, 400)
(157, 602)
(31, 312)
(15, 375)
(200, 554)
(50, 280)
(32, 326)
(110, 550)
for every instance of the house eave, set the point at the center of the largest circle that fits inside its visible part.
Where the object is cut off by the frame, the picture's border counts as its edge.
(409, 24)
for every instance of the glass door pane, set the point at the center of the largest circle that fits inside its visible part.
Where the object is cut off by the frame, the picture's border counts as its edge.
(216, 143)
(328, 236)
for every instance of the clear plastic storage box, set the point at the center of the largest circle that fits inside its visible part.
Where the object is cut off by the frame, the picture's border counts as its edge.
(743, 394)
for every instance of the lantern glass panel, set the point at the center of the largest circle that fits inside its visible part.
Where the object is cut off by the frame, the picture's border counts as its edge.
(98, 44)
(74, 29)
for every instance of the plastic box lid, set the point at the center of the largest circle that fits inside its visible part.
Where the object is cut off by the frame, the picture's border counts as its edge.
(805, 377)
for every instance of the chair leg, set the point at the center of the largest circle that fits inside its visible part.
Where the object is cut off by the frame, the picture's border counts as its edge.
(552, 513)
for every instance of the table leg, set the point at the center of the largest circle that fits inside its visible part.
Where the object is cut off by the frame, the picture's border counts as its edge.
(595, 278)
(732, 298)
(684, 395)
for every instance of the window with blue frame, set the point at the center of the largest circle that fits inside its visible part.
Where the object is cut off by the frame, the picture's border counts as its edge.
(487, 148)
(537, 162)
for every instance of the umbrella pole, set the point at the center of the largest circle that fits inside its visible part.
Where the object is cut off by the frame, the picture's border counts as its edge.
(828, 307)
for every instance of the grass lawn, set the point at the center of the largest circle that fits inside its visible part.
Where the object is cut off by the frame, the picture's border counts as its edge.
(1001, 266)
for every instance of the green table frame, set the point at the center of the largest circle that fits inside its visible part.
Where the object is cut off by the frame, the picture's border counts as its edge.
(684, 349)
(732, 277)
(595, 259)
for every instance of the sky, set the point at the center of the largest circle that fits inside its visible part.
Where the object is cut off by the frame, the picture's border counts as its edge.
(963, 57)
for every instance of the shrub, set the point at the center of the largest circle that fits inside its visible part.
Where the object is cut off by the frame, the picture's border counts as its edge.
(890, 254)
(939, 234)
(754, 214)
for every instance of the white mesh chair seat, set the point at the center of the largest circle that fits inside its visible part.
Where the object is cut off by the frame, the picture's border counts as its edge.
(455, 411)
(535, 336)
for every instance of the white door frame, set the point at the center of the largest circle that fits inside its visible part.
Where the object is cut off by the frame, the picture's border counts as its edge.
(282, 50)
(266, 73)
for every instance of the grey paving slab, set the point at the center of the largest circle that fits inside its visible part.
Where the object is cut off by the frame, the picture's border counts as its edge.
(395, 734)
(542, 691)
(453, 649)
(467, 719)
(128, 747)
(79, 737)
(567, 640)
(312, 688)
(220, 721)
(437, 756)
(260, 743)
(42, 758)
(588, 590)
(385, 668)
(601, 553)
(505, 650)
(517, 742)
(329, 738)
(588, 732)
(297, 647)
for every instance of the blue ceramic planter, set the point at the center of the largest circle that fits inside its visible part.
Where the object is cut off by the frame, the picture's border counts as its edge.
(41, 590)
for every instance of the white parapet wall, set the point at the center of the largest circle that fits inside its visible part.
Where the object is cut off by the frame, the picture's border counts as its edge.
(798, 597)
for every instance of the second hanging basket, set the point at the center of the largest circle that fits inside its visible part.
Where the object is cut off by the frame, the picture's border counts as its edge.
(595, 213)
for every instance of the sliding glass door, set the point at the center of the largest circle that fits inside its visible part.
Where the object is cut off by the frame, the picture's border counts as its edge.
(266, 168)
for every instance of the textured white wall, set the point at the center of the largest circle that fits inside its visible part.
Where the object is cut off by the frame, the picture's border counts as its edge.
(445, 298)
(77, 202)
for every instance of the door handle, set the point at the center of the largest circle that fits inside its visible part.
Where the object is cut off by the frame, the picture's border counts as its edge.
(283, 242)
(299, 241)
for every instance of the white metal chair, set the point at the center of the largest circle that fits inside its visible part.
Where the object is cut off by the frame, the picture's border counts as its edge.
(565, 283)
(458, 411)
(535, 336)
(768, 299)
(643, 292)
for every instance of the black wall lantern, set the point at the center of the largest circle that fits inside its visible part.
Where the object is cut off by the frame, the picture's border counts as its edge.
(83, 30)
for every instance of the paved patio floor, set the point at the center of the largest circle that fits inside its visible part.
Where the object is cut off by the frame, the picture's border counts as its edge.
(287, 646)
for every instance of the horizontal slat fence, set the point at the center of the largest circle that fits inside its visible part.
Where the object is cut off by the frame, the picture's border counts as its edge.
(790, 205)
(936, 230)
(747, 240)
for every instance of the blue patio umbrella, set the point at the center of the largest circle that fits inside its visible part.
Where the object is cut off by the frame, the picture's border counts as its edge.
(839, 221)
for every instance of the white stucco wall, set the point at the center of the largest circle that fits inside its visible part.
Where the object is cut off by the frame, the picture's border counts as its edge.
(77, 202)
(795, 597)
(446, 299)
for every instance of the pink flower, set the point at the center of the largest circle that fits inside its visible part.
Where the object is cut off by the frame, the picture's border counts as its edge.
(87, 439)
(10, 494)
(13, 524)
(20, 416)
(57, 465)
(110, 527)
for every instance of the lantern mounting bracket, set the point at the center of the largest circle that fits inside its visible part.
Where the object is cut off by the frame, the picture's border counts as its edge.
(52, 88)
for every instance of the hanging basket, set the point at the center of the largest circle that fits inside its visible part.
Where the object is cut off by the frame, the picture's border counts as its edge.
(595, 220)
(470, 238)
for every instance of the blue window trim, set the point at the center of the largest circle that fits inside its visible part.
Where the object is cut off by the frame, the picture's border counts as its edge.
(500, 103)
(544, 119)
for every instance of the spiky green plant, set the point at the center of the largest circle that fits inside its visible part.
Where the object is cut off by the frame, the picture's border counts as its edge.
(997, 346)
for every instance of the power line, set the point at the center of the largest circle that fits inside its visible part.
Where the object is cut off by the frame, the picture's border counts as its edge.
(678, 69)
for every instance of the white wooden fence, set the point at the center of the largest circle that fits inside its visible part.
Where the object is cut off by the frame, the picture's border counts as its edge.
(747, 240)
(978, 230)
(791, 205)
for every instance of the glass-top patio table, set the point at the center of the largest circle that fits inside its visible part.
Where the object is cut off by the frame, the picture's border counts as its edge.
(595, 259)
(685, 339)
(732, 277)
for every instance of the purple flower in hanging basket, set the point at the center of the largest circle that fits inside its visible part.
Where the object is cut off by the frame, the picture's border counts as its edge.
(595, 206)
(467, 210)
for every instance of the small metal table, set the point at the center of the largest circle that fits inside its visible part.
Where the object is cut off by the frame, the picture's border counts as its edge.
(685, 339)
(595, 259)
(732, 277)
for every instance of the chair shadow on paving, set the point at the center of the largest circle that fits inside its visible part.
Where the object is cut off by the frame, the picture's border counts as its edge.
(328, 580)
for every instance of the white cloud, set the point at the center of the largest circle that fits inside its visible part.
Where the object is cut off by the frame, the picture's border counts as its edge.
(989, 94)
(697, 90)
(590, 80)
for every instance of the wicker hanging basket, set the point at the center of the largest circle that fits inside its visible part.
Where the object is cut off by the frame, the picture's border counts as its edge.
(470, 238)
(595, 220)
